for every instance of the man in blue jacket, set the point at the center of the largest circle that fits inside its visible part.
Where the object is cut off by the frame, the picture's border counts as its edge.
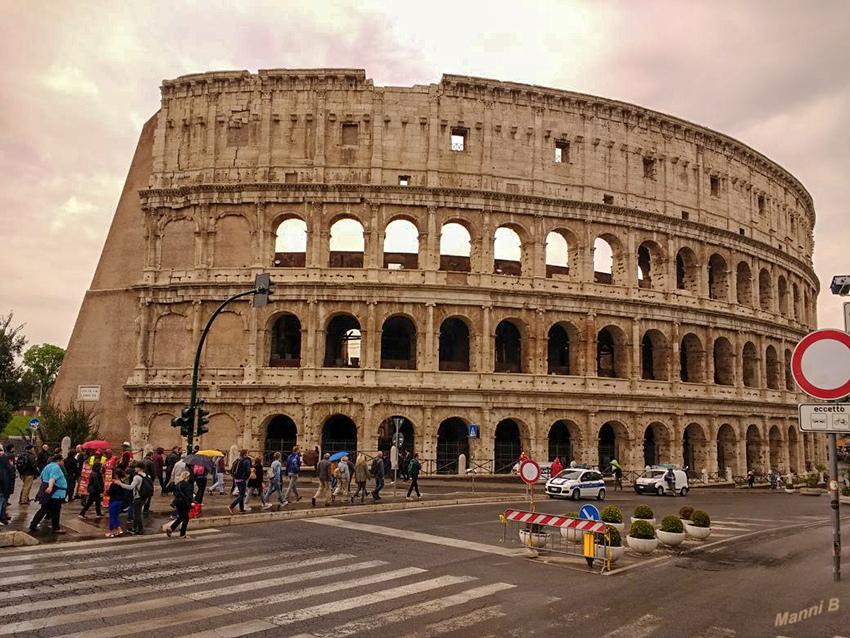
(293, 467)
(57, 486)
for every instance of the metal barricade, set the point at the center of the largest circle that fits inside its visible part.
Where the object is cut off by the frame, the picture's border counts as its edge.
(554, 534)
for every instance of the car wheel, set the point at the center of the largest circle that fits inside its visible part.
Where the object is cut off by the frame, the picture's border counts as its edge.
(659, 490)
(683, 491)
(601, 495)
(550, 496)
(576, 495)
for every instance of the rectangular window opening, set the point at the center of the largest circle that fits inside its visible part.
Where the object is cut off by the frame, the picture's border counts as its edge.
(349, 134)
(404, 180)
(686, 214)
(459, 139)
(761, 204)
(562, 152)
(715, 185)
(649, 167)
(607, 199)
(741, 231)
(290, 178)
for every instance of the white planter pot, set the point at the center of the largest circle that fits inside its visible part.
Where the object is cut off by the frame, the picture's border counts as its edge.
(790, 490)
(643, 546)
(572, 534)
(620, 527)
(535, 539)
(699, 533)
(671, 539)
(811, 491)
(651, 521)
(616, 552)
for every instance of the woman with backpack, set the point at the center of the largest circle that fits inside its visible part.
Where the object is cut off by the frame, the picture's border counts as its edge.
(343, 479)
(413, 471)
(95, 491)
(117, 495)
(183, 502)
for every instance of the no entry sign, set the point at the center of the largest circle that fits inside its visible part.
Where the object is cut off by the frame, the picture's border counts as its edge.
(821, 364)
(529, 471)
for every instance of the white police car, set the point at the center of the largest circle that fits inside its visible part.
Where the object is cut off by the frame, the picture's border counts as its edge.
(576, 482)
(652, 481)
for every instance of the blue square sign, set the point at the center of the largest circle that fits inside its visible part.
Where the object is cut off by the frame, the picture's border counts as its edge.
(473, 431)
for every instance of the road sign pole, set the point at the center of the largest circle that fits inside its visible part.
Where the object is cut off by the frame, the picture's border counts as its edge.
(833, 503)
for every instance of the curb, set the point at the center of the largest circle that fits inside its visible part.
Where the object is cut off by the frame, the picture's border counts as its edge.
(264, 517)
(16, 539)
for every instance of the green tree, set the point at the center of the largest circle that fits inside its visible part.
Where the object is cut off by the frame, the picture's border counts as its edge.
(76, 422)
(42, 365)
(5, 415)
(14, 388)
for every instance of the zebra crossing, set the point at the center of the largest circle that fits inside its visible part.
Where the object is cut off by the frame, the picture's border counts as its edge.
(132, 586)
(648, 625)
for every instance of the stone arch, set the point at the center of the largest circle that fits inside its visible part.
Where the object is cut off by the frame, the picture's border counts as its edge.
(718, 277)
(754, 451)
(509, 444)
(564, 440)
(765, 290)
(339, 434)
(401, 244)
(508, 251)
(285, 351)
(691, 359)
(695, 448)
(452, 441)
(656, 444)
(727, 449)
(563, 346)
(177, 244)
(613, 443)
(789, 376)
(687, 270)
(455, 246)
(508, 346)
(227, 343)
(386, 431)
(751, 365)
(281, 435)
(796, 301)
(652, 265)
(343, 345)
(782, 289)
(724, 362)
(612, 357)
(793, 450)
(232, 246)
(608, 260)
(776, 450)
(655, 356)
(454, 345)
(224, 432)
(774, 372)
(161, 433)
(398, 343)
(290, 246)
(171, 341)
(744, 284)
(560, 251)
(346, 243)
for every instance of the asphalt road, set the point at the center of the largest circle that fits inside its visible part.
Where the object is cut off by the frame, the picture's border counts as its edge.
(434, 572)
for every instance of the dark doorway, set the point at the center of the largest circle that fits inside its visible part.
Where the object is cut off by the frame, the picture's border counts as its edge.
(281, 436)
(454, 346)
(339, 434)
(451, 442)
(607, 446)
(398, 344)
(508, 348)
(385, 436)
(508, 446)
(286, 342)
(559, 350)
(650, 448)
(560, 443)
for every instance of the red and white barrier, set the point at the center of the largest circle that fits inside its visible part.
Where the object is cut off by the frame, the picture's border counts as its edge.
(555, 521)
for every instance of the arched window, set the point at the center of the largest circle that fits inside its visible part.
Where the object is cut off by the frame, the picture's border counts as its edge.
(452, 441)
(650, 272)
(655, 356)
(339, 434)
(691, 359)
(386, 432)
(347, 244)
(342, 342)
(398, 344)
(718, 278)
(286, 342)
(782, 286)
(724, 362)
(508, 446)
(507, 252)
(290, 246)
(754, 453)
(508, 348)
(751, 365)
(562, 349)
(281, 436)
(744, 284)
(774, 374)
(611, 355)
(603, 262)
(454, 345)
(455, 248)
(797, 312)
(687, 275)
(557, 255)
(765, 290)
(560, 442)
(727, 451)
(656, 444)
(401, 245)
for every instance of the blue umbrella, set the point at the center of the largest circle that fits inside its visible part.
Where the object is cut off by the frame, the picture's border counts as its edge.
(338, 456)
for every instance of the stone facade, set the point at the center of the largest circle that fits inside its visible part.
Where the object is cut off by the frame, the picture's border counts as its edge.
(686, 362)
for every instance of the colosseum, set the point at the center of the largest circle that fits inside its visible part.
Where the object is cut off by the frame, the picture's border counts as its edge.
(580, 277)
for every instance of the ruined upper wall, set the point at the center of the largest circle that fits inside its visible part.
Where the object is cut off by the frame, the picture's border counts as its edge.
(334, 126)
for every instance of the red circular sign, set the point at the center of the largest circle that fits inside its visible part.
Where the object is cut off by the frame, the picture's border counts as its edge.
(821, 364)
(529, 471)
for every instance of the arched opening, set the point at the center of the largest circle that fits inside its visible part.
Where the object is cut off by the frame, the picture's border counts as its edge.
(754, 461)
(452, 441)
(603, 261)
(687, 274)
(691, 359)
(401, 245)
(290, 246)
(386, 432)
(507, 252)
(654, 356)
(559, 351)
(751, 365)
(611, 355)
(789, 376)
(650, 273)
(557, 254)
(613, 440)
(793, 451)
(797, 313)
(782, 287)
(342, 343)
(454, 345)
(724, 362)
(347, 244)
(774, 374)
(765, 290)
(718, 278)
(281, 436)
(560, 442)
(455, 248)
(774, 441)
(726, 448)
(744, 284)
(339, 434)
(508, 446)
(508, 348)
(656, 444)
(694, 448)
(398, 344)
(286, 342)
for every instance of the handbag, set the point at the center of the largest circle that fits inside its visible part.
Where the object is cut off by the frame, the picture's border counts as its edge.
(42, 497)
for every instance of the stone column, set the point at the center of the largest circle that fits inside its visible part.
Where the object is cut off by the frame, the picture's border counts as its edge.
(486, 342)
(432, 250)
(370, 338)
(313, 357)
(430, 358)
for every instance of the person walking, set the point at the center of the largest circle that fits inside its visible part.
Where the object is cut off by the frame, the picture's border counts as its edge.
(618, 475)
(141, 487)
(378, 472)
(556, 468)
(183, 503)
(27, 467)
(158, 468)
(176, 472)
(751, 478)
(293, 468)
(403, 464)
(170, 461)
(72, 473)
(95, 492)
(150, 470)
(7, 482)
(413, 471)
(126, 456)
(43, 457)
(255, 480)
(218, 476)
(199, 473)
(343, 480)
(275, 481)
(242, 471)
(323, 470)
(54, 494)
(361, 477)
(117, 499)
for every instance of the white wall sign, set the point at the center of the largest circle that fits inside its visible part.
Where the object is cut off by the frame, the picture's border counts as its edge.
(88, 393)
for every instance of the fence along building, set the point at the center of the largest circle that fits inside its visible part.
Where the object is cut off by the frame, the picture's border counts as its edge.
(588, 278)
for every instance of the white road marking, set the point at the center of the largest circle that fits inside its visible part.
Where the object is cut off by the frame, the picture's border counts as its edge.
(73, 600)
(372, 623)
(717, 632)
(639, 628)
(460, 622)
(235, 631)
(417, 536)
(384, 595)
(152, 624)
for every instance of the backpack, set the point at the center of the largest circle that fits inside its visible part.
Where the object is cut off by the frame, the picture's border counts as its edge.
(198, 470)
(235, 467)
(146, 488)
(21, 464)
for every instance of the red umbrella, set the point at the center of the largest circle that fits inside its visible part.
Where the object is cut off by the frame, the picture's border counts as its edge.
(97, 445)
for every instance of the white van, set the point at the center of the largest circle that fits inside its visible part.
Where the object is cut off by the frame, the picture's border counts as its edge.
(652, 481)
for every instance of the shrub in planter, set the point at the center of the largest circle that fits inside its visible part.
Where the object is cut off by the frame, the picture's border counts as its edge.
(699, 526)
(611, 514)
(845, 491)
(533, 536)
(616, 545)
(643, 511)
(672, 531)
(642, 530)
(685, 512)
(700, 519)
(642, 537)
(571, 534)
(811, 479)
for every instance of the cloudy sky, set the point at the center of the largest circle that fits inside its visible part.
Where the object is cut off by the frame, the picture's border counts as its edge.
(79, 79)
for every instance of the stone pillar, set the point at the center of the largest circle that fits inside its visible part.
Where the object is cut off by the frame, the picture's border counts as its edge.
(485, 447)
(675, 357)
(316, 235)
(431, 357)
(313, 359)
(711, 443)
(590, 365)
(637, 369)
(432, 249)
(368, 350)
(486, 342)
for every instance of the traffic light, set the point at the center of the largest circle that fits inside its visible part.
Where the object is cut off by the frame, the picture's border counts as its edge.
(264, 287)
(185, 421)
(203, 419)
